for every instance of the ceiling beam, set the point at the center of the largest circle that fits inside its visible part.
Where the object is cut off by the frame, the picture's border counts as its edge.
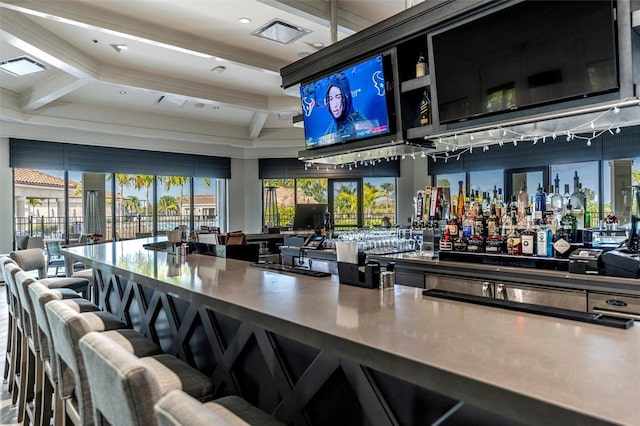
(58, 85)
(257, 123)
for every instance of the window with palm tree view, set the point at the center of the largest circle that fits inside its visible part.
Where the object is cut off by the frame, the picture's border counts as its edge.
(130, 208)
(375, 207)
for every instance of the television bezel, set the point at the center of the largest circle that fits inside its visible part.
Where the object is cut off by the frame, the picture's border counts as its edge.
(546, 105)
(389, 96)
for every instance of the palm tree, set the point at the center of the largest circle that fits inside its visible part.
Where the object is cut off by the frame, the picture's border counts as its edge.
(132, 204)
(33, 203)
(346, 201)
(314, 188)
(179, 181)
(122, 180)
(143, 181)
(167, 204)
(387, 188)
(371, 194)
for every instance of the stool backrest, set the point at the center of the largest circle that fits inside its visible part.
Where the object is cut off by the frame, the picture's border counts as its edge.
(40, 296)
(31, 259)
(123, 389)
(67, 327)
(23, 281)
(4, 262)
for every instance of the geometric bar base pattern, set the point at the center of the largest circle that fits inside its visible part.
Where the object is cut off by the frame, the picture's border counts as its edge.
(298, 384)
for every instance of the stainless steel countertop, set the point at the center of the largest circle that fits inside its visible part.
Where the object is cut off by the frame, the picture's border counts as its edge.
(522, 365)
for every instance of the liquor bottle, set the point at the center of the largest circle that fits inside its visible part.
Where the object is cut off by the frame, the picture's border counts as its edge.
(523, 204)
(493, 222)
(425, 109)
(480, 225)
(557, 204)
(529, 238)
(460, 205)
(461, 243)
(561, 245)
(495, 242)
(541, 204)
(467, 225)
(453, 227)
(569, 224)
(499, 205)
(577, 201)
(421, 66)
(446, 243)
(476, 242)
(544, 247)
(514, 241)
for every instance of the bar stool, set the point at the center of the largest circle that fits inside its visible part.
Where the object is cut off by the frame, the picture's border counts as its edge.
(178, 408)
(34, 259)
(40, 295)
(13, 334)
(67, 327)
(125, 387)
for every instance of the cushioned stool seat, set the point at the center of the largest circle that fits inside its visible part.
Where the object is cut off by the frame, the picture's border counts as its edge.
(124, 387)
(179, 409)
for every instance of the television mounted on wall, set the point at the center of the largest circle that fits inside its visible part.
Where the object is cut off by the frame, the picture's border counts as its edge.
(529, 54)
(351, 104)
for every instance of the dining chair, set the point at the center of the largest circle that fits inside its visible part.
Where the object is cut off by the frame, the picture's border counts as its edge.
(54, 257)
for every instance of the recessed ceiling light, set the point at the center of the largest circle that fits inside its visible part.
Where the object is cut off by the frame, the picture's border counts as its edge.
(216, 107)
(318, 44)
(20, 66)
(244, 20)
(198, 105)
(123, 92)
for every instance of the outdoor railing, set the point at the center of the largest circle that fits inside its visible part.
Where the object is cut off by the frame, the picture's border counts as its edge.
(53, 228)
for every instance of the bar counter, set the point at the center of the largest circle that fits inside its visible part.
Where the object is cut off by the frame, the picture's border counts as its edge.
(522, 367)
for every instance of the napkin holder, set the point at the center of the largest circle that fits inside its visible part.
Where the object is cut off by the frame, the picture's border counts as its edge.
(352, 274)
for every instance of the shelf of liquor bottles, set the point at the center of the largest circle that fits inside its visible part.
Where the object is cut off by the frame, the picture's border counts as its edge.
(544, 225)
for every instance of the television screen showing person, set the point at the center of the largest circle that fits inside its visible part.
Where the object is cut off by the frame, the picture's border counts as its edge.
(348, 105)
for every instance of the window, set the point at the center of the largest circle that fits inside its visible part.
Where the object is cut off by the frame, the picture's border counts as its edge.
(349, 209)
(285, 199)
(379, 201)
(625, 201)
(486, 182)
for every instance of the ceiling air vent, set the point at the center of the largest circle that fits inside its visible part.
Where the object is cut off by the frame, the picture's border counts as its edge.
(20, 66)
(280, 31)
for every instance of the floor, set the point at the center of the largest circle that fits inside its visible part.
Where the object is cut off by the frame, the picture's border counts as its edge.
(8, 413)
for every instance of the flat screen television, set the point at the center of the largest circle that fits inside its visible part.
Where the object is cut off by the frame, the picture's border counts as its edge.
(309, 216)
(526, 55)
(349, 105)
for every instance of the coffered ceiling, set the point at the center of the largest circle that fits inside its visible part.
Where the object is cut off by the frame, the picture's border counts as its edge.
(162, 72)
